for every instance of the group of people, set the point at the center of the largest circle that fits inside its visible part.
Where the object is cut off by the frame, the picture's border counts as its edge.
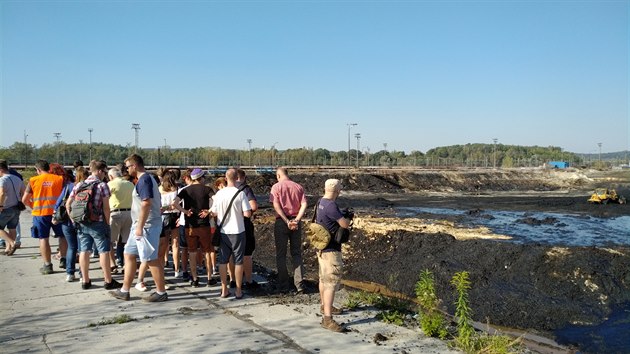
(135, 214)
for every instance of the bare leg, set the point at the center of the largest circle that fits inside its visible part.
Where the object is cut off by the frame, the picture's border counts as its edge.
(84, 264)
(63, 246)
(224, 283)
(175, 248)
(44, 250)
(141, 272)
(130, 271)
(231, 269)
(248, 268)
(193, 264)
(157, 272)
(105, 266)
(239, 279)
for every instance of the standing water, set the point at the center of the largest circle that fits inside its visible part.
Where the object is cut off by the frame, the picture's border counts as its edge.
(611, 336)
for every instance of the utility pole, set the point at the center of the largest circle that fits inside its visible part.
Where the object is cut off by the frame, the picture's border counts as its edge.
(90, 130)
(600, 154)
(136, 127)
(358, 136)
(494, 164)
(350, 125)
(57, 135)
(25, 162)
(249, 142)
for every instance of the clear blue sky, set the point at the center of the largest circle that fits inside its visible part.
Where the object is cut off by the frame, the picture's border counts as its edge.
(412, 74)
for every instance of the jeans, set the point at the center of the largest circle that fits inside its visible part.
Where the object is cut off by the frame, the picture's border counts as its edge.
(93, 235)
(70, 233)
(282, 236)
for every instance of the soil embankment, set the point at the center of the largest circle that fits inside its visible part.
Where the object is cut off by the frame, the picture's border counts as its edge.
(536, 287)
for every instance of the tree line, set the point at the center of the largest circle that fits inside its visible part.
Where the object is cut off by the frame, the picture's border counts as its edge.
(468, 155)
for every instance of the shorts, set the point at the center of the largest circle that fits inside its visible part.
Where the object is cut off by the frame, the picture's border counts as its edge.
(9, 218)
(153, 236)
(199, 237)
(42, 225)
(182, 236)
(169, 222)
(250, 241)
(95, 233)
(330, 269)
(120, 224)
(232, 245)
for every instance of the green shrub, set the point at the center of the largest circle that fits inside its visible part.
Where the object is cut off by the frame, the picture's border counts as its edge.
(432, 321)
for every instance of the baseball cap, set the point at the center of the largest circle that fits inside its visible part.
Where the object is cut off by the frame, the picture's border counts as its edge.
(197, 173)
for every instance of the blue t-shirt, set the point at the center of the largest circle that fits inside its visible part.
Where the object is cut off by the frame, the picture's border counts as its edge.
(327, 215)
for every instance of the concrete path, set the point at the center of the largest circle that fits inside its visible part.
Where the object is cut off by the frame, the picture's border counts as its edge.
(45, 314)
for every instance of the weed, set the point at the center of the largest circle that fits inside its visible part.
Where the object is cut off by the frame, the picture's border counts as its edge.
(120, 319)
(432, 321)
(392, 316)
(463, 312)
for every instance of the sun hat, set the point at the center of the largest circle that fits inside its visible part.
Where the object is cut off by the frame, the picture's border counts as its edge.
(197, 173)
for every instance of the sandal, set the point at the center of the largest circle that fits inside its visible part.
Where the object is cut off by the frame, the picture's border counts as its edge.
(114, 269)
(225, 296)
(11, 250)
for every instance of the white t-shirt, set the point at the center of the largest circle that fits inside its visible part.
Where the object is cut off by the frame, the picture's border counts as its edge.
(234, 223)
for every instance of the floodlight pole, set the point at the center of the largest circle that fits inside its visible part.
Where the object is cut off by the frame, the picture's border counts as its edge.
(350, 125)
(136, 127)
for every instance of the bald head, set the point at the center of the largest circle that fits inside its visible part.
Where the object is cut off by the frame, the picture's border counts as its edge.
(230, 176)
(282, 173)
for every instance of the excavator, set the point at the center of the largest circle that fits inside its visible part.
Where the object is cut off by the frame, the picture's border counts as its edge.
(605, 196)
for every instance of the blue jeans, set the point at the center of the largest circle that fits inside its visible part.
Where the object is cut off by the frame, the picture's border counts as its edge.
(70, 233)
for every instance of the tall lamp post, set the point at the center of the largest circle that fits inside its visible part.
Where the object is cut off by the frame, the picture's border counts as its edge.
(90, 130)
(136, 127)
(350, 125)
(57, 135)
(358, 136)
(600, 153)
(249, 142)
(494, 153)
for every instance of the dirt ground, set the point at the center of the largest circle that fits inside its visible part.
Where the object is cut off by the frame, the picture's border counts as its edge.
(535, 287)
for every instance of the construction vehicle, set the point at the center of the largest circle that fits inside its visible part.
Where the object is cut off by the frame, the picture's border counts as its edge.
(605, 196)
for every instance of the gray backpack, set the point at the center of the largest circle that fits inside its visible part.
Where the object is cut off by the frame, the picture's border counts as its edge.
(82, 208)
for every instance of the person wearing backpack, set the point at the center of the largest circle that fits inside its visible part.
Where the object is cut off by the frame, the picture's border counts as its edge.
(88, 207)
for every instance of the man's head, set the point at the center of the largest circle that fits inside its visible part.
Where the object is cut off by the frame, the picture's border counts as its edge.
(77, 163)
(114, 173)
(197, 174)
(42, 166)
(230, 176)
(4, 167)
(134, 164)
(98, 169)
(332, 188)
(282, 173)
(240, 175)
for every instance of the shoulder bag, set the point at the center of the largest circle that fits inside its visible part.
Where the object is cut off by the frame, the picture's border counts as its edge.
(216, 237)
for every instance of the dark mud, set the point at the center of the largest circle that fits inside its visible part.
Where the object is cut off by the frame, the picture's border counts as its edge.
(535, 287)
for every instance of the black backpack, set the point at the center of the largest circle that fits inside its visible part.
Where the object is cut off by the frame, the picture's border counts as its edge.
(82, 209)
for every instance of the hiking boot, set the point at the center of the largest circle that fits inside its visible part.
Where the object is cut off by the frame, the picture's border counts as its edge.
(62, 263)
(46, 269)
(335, 310)
(330, 324)
(113, 285)
(119, 294)
(155, 297)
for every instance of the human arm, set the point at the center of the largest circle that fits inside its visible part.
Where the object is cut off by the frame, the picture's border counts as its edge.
(27, 198)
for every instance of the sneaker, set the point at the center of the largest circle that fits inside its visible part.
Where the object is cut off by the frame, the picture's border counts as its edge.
(113, 285)
(194, 283)
(215, 271)
(62, 263)
(212, 281)
(141, 286)
(46, 269)
(70, 278)
(178, 274)
(335, 310)
(119, 294)
(87, 285)
(186, 276)
(330, 324)
(155, 297)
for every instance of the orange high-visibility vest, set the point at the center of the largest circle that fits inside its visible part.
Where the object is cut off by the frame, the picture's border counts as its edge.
(46, 189)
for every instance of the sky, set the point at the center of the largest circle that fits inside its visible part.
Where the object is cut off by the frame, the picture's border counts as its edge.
(413, 75)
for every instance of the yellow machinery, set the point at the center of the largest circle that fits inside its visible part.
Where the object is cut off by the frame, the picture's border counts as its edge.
(605, 196)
